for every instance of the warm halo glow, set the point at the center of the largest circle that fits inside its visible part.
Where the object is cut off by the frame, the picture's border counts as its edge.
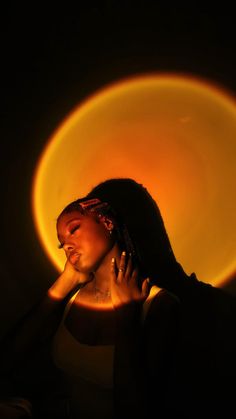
(176, 135)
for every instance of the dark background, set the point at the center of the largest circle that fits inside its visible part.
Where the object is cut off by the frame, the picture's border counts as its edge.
(52, 59)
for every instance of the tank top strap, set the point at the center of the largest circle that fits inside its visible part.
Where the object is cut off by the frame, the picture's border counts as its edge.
(69, 304)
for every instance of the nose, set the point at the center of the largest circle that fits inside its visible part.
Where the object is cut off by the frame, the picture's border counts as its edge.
(68, 247)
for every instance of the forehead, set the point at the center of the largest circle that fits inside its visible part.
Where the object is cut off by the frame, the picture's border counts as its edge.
(66, 218)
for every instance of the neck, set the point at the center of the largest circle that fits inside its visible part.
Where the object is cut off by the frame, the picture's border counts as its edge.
(102, 274)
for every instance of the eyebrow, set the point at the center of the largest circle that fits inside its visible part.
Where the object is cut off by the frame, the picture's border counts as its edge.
(78, 217)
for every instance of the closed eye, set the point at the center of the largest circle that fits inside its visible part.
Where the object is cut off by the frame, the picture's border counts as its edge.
(74, 229)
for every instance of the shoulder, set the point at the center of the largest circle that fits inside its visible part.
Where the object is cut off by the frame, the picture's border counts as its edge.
(164, 307)
(161, 328)
(164, 300)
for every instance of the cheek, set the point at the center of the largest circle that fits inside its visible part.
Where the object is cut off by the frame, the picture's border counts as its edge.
(100, 239)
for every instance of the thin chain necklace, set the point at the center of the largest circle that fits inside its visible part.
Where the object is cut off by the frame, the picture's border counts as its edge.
(99, 294)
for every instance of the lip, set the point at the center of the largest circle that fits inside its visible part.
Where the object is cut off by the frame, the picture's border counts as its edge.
(74, 257)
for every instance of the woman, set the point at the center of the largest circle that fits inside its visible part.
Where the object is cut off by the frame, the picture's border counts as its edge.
(115, 335)
(115, 324)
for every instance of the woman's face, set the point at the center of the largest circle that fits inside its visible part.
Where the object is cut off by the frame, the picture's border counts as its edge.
(85, 240)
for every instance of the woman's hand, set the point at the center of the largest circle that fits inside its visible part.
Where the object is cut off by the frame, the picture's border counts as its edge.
(125, 288)
(68, 279)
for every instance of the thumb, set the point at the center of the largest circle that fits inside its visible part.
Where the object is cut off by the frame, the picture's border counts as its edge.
(145, 288)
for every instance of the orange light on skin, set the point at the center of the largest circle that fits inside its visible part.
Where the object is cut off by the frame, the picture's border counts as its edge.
(100, 306)
(92, 305)
(175, 135)
(95, 306)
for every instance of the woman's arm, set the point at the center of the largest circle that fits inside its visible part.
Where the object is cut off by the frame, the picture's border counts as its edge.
(145, 352)
(161, 336)
(40, 323)
(128, 298)
(145, 359)
(129, 377)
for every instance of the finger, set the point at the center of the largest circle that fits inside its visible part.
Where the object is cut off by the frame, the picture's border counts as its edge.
(121, 269)
(145, 288)
(129, 267)
(113, 270)
(134, 275)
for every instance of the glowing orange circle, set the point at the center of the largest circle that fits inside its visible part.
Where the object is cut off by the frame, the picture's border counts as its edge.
(174, 134)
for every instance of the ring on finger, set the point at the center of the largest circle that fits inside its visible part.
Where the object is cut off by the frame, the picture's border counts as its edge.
(121, 269)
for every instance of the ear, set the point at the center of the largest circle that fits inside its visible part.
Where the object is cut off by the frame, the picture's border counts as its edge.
(107, 222)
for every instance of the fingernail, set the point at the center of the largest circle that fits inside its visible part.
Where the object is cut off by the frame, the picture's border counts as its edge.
(113, 260)
(123, 253)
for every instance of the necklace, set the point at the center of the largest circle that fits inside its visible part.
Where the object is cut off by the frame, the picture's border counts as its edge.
(99, 294)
